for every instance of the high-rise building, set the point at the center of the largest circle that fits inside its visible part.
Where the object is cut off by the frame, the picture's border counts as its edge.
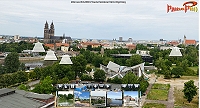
(130, 40)
(120, 39)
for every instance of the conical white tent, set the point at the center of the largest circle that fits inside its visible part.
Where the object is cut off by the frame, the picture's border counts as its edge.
(65, 60)
(175, 52)
(38, 47)
(50, 56)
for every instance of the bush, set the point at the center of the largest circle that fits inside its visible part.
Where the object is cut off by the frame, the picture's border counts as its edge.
(86, 77)
(189, 72)
(115, 80)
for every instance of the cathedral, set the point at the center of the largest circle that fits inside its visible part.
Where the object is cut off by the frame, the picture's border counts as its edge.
(49, 36)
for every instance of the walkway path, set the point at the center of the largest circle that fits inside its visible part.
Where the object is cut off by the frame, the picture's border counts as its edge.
(169, 103)
(33, 82)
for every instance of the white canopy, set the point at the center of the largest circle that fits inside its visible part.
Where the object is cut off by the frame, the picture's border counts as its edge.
(65, 60)
(38, 47)
(175, 52)
(50, 56)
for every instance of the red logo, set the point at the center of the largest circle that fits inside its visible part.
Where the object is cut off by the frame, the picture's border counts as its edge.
(190, 5)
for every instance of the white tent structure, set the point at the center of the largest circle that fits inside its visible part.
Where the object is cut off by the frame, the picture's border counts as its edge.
(65, 60)
(50, 56)
(38, 47)
(175, 52)
(113, 70)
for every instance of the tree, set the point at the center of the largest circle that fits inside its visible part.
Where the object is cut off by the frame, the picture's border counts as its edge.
(89, 69)
(167, 74)
(106, 60)
(190, 90)
(64, 80)
(130, 78)
(23, 87)
(86, 77)
(141, 47)
(99, 75)
(32, 75)
(22, 67)
(21, 76)
(97, 60)
(12, 62)
(45, 86)
(177, 72)
(79, 64)
(116, 80)
(134, 60)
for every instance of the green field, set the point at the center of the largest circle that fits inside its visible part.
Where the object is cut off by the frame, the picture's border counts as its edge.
(161, 86)
(157, 94)
(154, 105)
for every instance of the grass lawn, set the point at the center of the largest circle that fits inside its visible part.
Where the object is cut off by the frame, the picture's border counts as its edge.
(161, 86)
(194, 68)
(181, 102)
(154, 105)
(157, 94)
(189, 77)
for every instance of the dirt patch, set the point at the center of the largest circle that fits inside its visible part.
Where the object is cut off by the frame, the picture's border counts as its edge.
(178, 83)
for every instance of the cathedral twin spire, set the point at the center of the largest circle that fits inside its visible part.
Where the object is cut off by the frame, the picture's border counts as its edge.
(48, 32)
(47, 26)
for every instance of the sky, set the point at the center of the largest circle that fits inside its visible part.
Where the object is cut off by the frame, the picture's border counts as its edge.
(131, 93)
(139, 20)
(98, 93)
(82, 94)
(114, 95)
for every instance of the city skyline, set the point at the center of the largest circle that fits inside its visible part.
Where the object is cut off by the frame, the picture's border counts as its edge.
(139, 20)
(131, 93)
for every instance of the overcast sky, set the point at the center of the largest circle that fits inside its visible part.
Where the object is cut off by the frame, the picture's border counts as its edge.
(139, 20)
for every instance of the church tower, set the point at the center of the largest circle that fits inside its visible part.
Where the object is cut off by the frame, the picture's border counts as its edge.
(46, 32)
(51, 30)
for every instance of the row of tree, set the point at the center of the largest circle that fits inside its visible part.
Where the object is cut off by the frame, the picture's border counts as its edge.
(13, 78)
(16, 47)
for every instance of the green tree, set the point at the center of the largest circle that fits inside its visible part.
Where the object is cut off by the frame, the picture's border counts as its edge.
(22, 67)
(89, 47)
(190, 90)
(116, 80)
(86, 77)
(45, 86)
(23, 87)
(64, 80)
(70, 96)
(38, 72)
(141, 47)
(177, 72)
(99, 75)
(32, 75)
(134, 60)
(167, 74)
(130, 78)
(79, 64)
(97, 60)
(21, 76)
(89, 69)
(12, 62)
(106, 60)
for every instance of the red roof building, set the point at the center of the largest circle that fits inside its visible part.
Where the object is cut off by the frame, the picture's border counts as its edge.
(189, 42)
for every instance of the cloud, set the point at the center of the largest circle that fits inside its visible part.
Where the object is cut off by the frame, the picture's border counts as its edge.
(146, 19)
